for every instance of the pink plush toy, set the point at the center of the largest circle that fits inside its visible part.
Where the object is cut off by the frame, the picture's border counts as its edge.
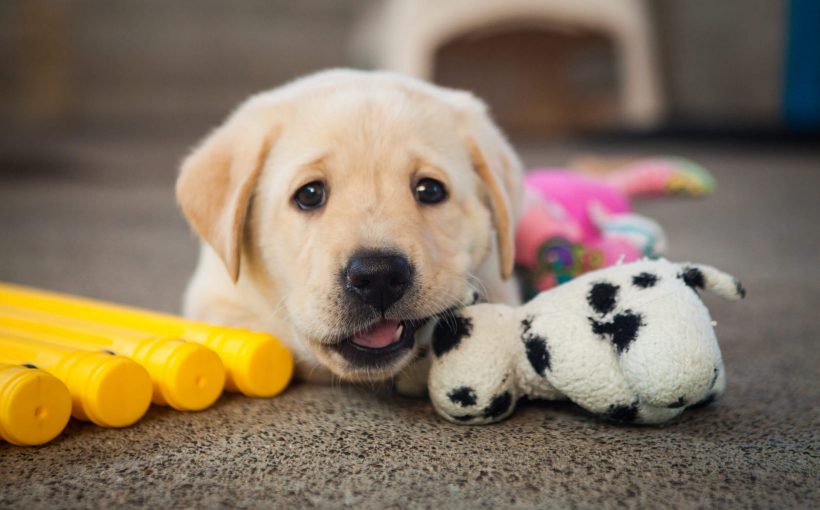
(573, 223)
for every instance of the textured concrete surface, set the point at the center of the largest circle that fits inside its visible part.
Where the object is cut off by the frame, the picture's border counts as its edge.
(97, 218)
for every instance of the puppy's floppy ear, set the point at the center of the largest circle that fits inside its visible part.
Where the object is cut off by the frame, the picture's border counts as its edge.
(498, 166)
(217, 180)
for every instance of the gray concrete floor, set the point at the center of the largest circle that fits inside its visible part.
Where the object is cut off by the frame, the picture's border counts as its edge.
(96, 216)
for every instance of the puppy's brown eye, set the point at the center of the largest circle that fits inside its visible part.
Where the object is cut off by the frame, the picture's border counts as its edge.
(310, 196)
(430, 191)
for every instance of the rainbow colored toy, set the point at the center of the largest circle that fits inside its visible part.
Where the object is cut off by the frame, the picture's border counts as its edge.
(574, 223)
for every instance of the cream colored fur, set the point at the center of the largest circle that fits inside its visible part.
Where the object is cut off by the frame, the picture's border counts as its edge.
(267, 265)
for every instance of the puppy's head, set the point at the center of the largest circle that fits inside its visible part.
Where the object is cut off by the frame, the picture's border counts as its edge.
(360, 203)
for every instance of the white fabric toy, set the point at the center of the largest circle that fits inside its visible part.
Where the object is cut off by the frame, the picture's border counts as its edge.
(631, 343)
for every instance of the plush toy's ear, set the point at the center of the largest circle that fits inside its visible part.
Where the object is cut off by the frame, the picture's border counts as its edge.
(217, 180)
(498, 166)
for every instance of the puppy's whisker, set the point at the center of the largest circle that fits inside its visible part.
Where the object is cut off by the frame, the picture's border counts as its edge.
(336, 383)
(446, 302)
(279, 306)
(477, 285)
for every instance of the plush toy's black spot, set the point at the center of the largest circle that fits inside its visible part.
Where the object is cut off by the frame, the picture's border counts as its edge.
(29, 365)
(536, 346)
(703, 403)
(537, 352)
(526, 324)
(692, 277)
(678, 403)
(499, 405)
(463, 417)
(448, 333)
(622, 330)
(476, 297)
(623, 413)
(644, 280)
(739, 289)
(714, 378)
(463, 396)
(601, 297)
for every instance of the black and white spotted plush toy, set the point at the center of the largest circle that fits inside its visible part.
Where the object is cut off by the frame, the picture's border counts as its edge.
(631, 343)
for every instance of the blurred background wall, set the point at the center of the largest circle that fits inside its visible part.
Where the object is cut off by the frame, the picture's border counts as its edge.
(161, 66)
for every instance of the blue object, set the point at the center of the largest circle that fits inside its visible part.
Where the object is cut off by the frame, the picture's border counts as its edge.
(801, 102)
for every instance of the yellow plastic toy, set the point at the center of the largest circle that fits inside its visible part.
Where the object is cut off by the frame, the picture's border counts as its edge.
(257, 364)
(185, 375)
(34, 405)
(111, 391)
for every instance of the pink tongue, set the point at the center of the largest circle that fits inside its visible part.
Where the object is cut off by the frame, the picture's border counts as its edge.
(379, 335)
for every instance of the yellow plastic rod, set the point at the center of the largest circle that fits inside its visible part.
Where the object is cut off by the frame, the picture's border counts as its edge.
(111, 391)
(257, 364)
(34, 405)
(185, 375)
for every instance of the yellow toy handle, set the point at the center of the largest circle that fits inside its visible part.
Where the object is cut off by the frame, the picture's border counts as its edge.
(111, 391)
(186, 376)
(34, 405)
(257, 364)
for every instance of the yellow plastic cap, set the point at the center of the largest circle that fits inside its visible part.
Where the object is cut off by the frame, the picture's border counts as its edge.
(115, 391)
(34, 406)
(260, 366)
(187, 376)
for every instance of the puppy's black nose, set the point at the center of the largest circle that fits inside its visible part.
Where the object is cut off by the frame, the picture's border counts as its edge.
(378, 279)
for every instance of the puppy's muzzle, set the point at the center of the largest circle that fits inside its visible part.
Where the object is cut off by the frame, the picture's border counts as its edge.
(375, 281)
(378, 279)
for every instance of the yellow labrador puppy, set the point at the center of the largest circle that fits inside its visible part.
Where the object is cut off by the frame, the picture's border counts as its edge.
(342, 211)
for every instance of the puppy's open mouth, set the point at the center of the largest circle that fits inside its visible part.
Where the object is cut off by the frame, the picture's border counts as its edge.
(380, 344)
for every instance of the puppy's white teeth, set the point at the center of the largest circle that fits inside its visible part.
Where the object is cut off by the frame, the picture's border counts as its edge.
(399, 331)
